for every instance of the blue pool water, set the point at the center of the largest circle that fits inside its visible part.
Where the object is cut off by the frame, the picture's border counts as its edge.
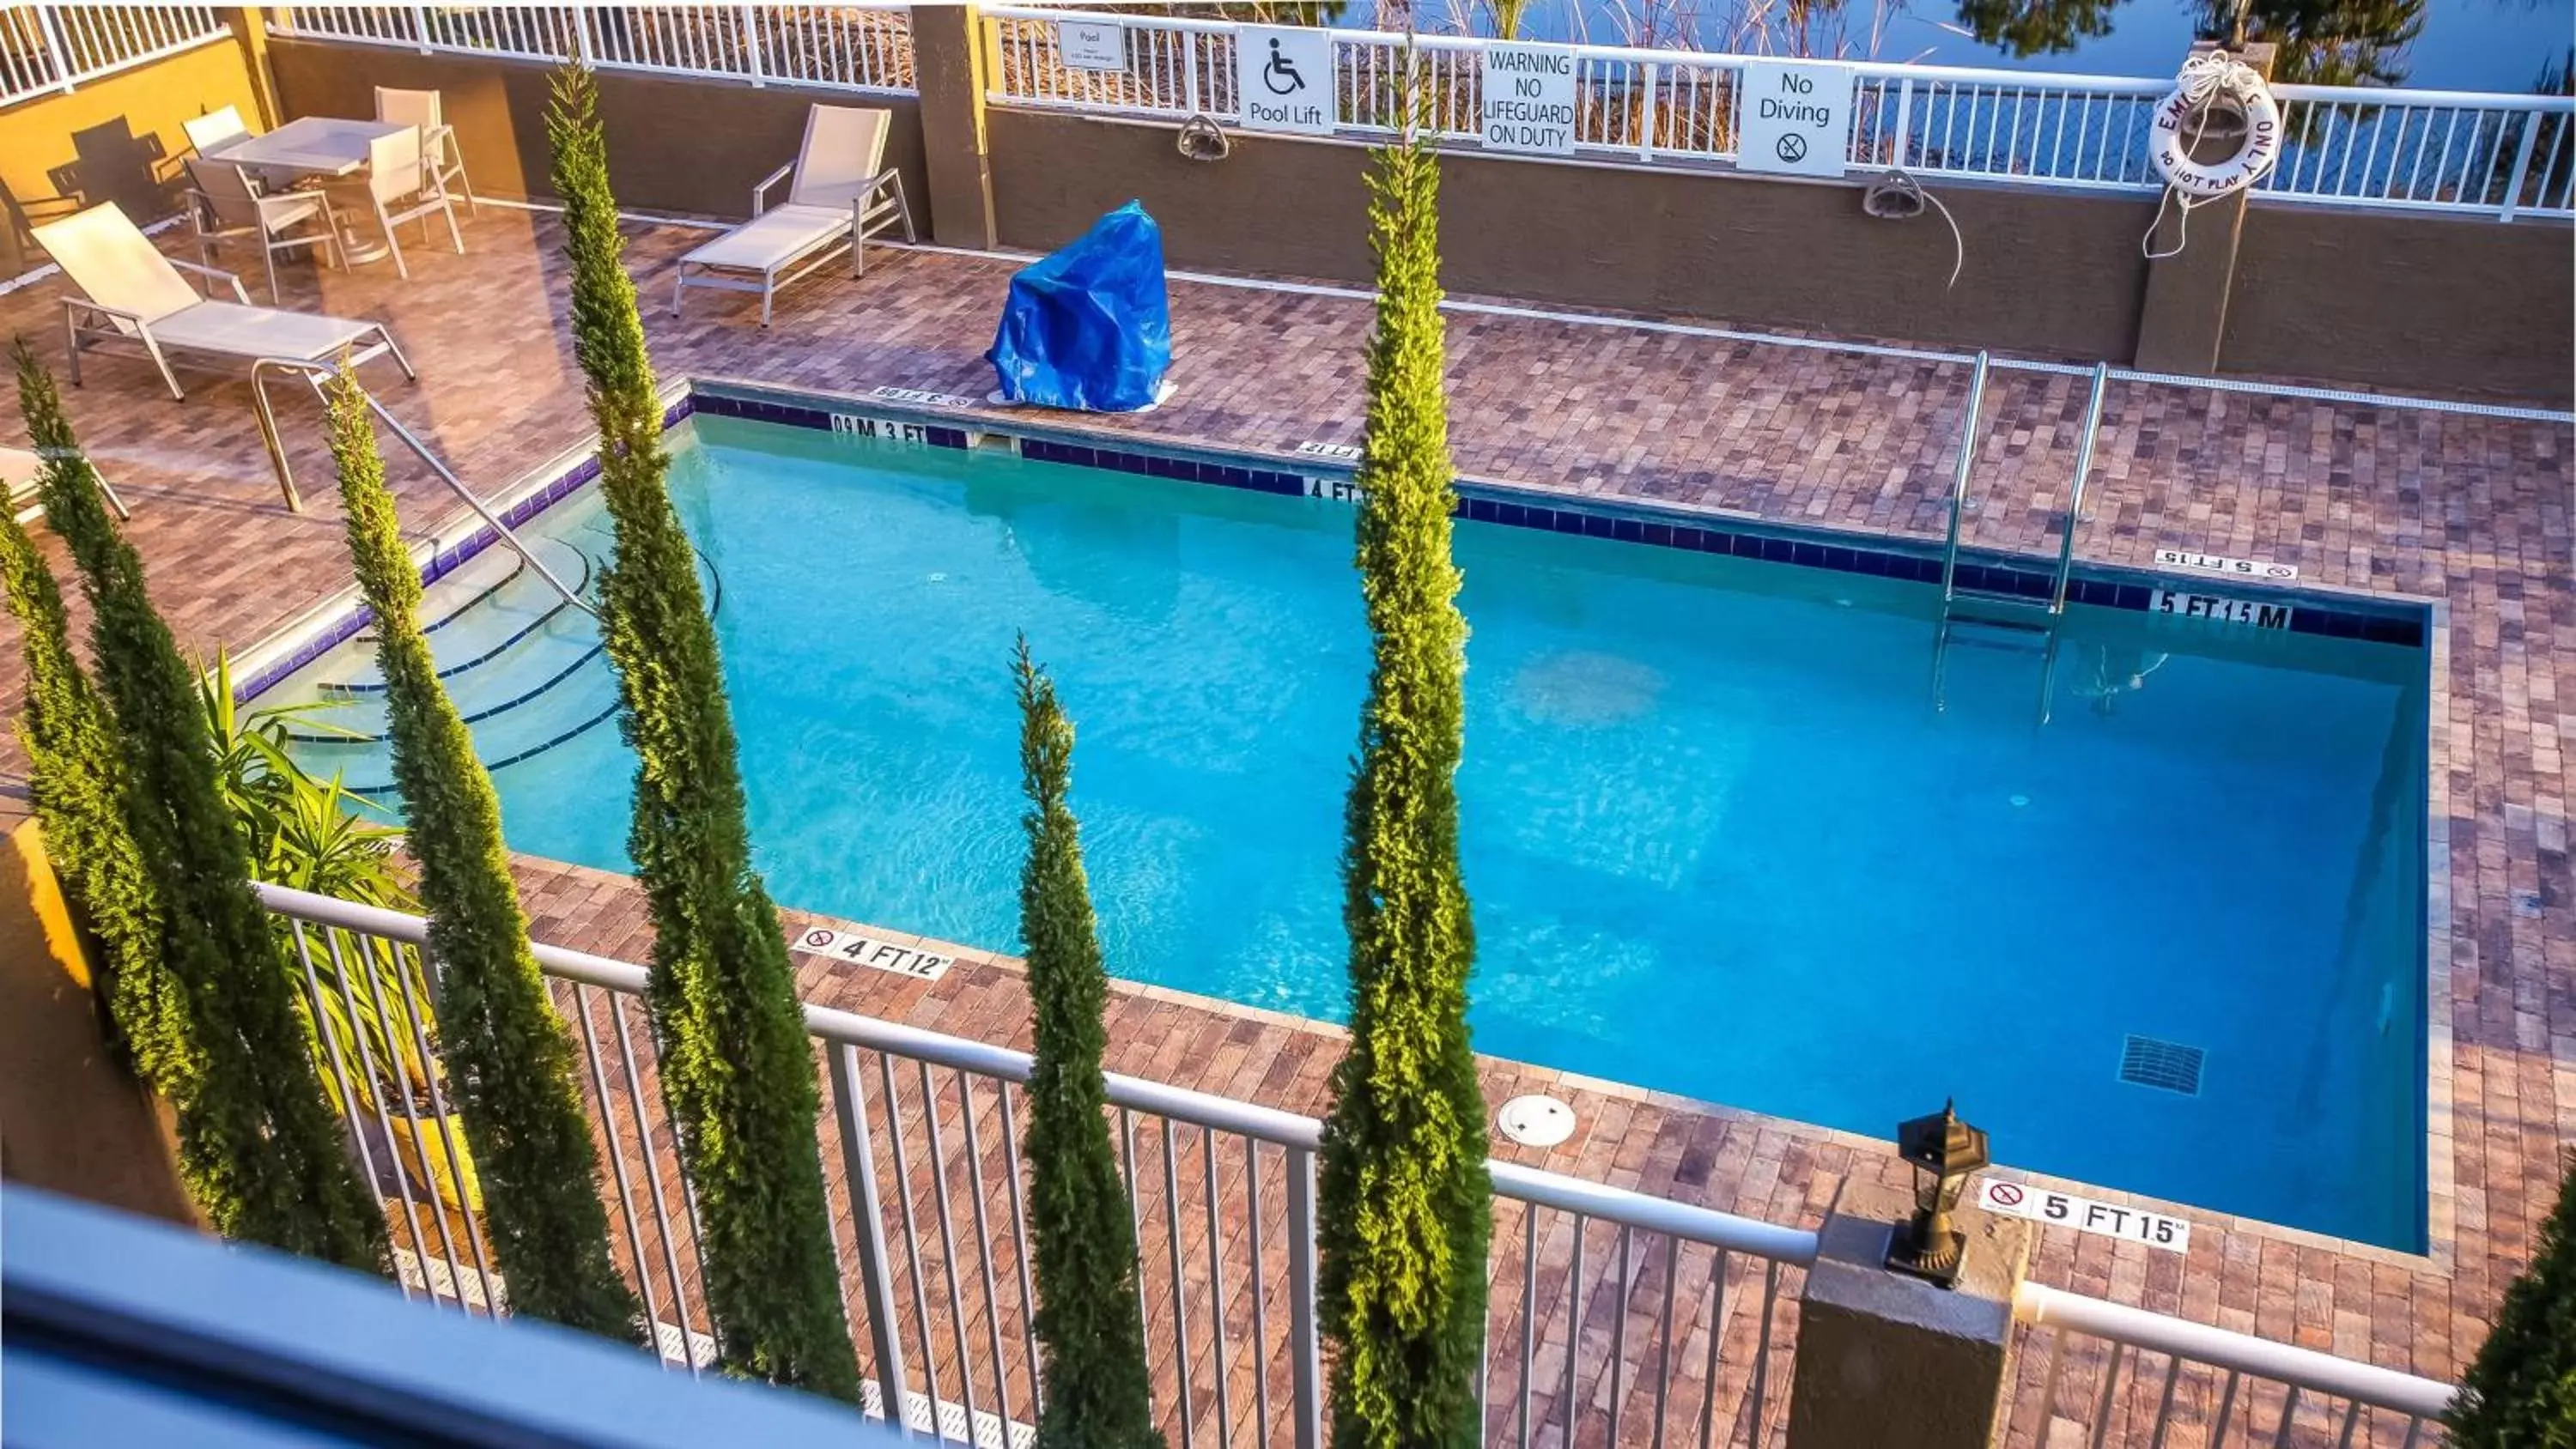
(1719, 840)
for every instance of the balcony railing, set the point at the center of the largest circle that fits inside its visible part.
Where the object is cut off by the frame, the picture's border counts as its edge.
(1680, 1317)
(47, 49)
(2501, 155)
(863, 47)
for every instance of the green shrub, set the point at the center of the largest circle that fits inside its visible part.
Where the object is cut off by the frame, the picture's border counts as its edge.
(270, 1165)
(1405, 1202)
(2521, 1393)
(737, 1071)
(1098, 1388)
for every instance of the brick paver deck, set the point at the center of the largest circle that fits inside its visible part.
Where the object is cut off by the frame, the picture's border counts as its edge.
(2470, 511)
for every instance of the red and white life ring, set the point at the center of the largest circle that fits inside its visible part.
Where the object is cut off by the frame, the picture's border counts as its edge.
(2204, 78)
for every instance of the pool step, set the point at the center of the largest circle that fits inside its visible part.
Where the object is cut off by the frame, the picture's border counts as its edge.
(475, 616)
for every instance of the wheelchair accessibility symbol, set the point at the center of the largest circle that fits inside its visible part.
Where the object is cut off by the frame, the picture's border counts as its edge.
(1792, 148)
(1280, 76)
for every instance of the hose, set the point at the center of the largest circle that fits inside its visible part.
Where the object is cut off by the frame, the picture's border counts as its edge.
(1897, 196)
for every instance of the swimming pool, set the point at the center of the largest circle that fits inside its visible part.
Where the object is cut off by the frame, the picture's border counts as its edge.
(1720, 841)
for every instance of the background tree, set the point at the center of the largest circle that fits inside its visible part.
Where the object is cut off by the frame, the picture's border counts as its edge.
(272, 1167)
(1098, 1387)
(2521, 1393)
(1405, 1206)
(508, 1059)
(737, 1071)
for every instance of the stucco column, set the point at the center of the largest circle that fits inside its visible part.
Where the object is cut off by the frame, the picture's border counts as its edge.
(1886, 1358)
(950, 63)
(2184, 316)
(250, 32)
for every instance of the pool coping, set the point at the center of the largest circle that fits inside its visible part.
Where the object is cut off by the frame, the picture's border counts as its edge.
(963, 424)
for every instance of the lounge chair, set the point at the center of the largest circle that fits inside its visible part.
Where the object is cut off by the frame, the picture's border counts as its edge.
(842, 193)
(133, 295)
(18, 470)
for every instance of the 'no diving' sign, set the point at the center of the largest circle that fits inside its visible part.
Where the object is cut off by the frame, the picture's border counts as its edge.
(1797, 118)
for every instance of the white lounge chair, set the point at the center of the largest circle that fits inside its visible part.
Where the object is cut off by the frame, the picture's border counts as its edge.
(18, 470)
(135, 296)
(841, 194)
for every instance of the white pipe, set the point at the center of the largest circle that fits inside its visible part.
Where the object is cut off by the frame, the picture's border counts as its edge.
(2262, 1358)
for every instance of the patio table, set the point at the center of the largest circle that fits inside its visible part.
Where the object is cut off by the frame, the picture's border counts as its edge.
(323, 146)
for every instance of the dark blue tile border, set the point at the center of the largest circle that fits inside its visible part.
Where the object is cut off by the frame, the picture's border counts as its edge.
(1479, 501)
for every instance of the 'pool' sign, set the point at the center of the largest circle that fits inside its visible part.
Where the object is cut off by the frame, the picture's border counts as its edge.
(2084, 1215)
(1529, 98)
(1797, 118)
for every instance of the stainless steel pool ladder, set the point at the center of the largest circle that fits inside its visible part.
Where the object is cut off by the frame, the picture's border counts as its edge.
(1998, 608)
(262, 371)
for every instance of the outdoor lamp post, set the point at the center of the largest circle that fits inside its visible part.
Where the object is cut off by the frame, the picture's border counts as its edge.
(1943, 1151)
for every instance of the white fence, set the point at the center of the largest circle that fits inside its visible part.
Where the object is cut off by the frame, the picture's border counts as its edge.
(849, 47)
(2496, 154)
(46, 49)
(1610, 1311)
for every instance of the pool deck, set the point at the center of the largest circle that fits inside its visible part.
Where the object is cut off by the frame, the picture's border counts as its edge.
(2471, 512)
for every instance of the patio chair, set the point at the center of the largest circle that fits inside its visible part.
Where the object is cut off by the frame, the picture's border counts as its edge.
(135, 296)
(216, 131)
(400, 185)
(226, 205)
(18, 470)
(437, 138)
(842, 193)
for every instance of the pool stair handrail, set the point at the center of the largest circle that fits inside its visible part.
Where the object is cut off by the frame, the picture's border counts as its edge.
(2013, 605)
(1691, 1242)
(264, 370)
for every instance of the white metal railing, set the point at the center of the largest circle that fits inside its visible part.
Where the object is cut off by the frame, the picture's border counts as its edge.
(52, 48)
(1674, 1310)
(2177, 1371)
(2504, 155)
(859, 46)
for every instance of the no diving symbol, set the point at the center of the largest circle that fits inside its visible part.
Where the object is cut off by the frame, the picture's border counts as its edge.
(1792, 148)
(2004, 1194)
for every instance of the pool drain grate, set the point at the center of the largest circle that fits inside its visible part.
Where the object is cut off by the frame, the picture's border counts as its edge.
(2147, 1062)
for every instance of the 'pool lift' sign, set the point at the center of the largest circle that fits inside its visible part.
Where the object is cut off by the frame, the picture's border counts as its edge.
(1797, 118)
(1529, 98)
(1283, 78)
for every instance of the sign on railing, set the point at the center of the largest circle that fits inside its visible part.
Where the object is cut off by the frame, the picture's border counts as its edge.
(2504, 155)
(47, 49)
(865, 46)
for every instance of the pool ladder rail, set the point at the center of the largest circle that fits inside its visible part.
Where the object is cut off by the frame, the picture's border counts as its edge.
(1998, 618)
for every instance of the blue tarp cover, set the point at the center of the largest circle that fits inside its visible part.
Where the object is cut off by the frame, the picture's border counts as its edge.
(1091, 326)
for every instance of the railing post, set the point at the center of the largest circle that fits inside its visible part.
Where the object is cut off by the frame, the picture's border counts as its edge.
(876, 1279)
(1646, 114)
(1190, 71)
(420, 27)
(1904, 122)
(2522, 165)
(1305, 1356)
(751, 43)
(578, 16)
(54, 53)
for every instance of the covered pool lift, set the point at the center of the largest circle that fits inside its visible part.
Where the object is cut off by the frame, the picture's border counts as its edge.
(2003, 618)
(1089, 327)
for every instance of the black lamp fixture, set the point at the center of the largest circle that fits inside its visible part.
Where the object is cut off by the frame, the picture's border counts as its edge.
(1943, 1152)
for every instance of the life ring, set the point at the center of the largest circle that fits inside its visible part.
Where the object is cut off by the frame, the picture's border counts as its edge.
(2204, 79)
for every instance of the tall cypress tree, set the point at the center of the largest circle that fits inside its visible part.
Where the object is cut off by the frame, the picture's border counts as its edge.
(1098, 1388)
(737, 1071)
(508, 1058)
(273, 1169)
(2521, 1393)
(1405, 1210)
(77, 783)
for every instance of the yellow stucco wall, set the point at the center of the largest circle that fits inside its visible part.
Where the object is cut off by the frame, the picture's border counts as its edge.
(114, 139)
(72, 1119)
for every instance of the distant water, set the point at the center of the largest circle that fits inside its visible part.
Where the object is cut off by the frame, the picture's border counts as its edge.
(2473, 45)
